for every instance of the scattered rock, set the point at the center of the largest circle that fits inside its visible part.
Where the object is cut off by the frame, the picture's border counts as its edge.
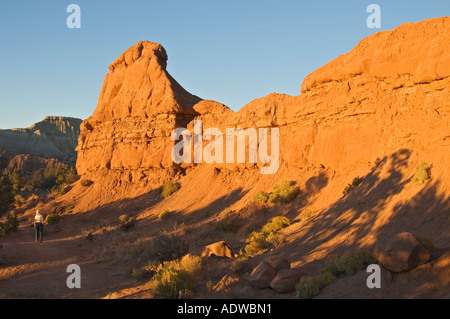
(262, 275)
(219, 249)
(402, 252)
(285, 280)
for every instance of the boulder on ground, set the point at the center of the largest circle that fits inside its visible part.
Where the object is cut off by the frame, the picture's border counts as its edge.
(402, 252)
(219, 249)
(262, 275)
(285, 280)
(282, 264)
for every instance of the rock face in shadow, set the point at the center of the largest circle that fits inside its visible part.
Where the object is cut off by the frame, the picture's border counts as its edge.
(54, 137)
(390, 92)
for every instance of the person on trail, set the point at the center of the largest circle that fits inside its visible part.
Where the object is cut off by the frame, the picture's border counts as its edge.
(38, 227)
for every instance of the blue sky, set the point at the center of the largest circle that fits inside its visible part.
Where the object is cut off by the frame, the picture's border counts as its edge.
(228, 51)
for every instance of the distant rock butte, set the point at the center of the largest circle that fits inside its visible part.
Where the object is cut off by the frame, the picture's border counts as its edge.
(53, 138)
(389, 92)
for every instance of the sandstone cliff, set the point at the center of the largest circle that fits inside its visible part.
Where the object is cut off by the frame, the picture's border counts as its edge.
(54, 137)
(389, 92)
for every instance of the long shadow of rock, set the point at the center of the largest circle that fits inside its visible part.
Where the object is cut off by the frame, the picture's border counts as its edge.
(346, 224)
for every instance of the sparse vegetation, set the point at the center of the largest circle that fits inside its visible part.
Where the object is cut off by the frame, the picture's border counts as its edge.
(283, 192)
(258, 241)
(310, 286)
(226, 225)
(306, 214)
(164, 215)
(56, 179)
(356, 181)
(68, 209)
(168, 188)
(423, 173)
(336, 266)
(6, 192)
(255, 243)
(164, 247)
(349, 263)
(174, 276)
(126, 222)
(86, 182)
(10, 224)
(242, 265)
(261, 197)
(52, 219)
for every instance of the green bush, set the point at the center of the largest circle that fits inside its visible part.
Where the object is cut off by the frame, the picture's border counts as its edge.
(275, 225)
(348, 263)
(261, 197)
(255, 243)
(226, 225)
(174, 276)
(6, 192)
(126, 222)
(165, 247)
(168, 188)
(356, 181)
(336, 266)
(10, 225)
(164, 215)
(86, 182)
(311, 286)
(258, 241)
(283, 192)
(56, 179)
(423, 173)
(52, 219)
(306, 214)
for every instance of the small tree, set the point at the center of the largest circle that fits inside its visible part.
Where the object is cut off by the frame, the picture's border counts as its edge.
(168, 188)
(6, 192)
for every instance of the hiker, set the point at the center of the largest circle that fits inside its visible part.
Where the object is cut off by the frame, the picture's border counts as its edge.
(38, 227)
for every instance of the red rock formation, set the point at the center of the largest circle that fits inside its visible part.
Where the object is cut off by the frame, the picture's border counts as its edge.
(390, 92)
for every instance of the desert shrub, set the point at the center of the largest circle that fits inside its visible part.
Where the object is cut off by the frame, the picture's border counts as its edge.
(423, 173)
(306, 214)
(283, 192)
(165, 247)
(258, 240)
(168, 188)
(242, 265)
(275, 225)
(56, 179)
(255, 243)
(10, 224)
(6, 192)
(126, 222)
(86, 182)
(348, 263)
(164, 215)
(68, 209)
(52, 219)
(226, 225)
(15, 179)
(336, 266)
(356, 181)
(261, 197)
(174, 276)
(310, 286)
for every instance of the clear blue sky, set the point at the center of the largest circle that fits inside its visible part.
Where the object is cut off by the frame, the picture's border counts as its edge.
(229, 51)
